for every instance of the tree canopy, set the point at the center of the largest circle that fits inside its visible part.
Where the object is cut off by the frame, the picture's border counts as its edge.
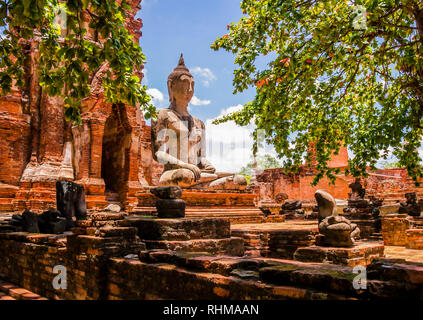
(341, 73)
(68, 59)
(261, 162)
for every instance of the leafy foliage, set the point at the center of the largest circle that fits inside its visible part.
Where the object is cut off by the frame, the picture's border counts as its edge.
(262, 162)
(391, 165)
(346, 73)
(67, 57)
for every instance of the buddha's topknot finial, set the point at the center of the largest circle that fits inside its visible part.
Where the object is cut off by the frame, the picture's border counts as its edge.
(180, 70)
(181, 60)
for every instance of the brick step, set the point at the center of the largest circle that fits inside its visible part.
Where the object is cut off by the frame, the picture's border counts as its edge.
(144, 211)
(96, 201)
(246, 221)
(237, 215)
(224, 208)
(227, 213)
(41, 192)
(7, 190)
(396, 195)
(232, 246)
(112, 196)
(7, 194)
(6, 205)
(223, 212)
(392, 200)
(5, 297)
(10, 291)
(207, 209)
(6, 200)
(377, 236)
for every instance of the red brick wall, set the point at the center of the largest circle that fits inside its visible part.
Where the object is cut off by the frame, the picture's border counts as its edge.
(14, 139)
(384, 183)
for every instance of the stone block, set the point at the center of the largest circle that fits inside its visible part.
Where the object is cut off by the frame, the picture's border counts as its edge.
(362, 253)
(414, 239)
(394, 230)
(389, 209)
(150, 228)
(230, 246)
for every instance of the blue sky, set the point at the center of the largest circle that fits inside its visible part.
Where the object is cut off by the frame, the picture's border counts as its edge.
(190, 26)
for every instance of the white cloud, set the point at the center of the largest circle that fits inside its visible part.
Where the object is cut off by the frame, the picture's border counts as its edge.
(145, 78)
(205, 74)
(156, 95)
(197, 102)
(229, 146)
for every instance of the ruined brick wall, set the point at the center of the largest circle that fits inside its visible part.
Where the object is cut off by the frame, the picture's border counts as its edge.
(390, 184)
(14, 139)
(298, 186)
(29, 263)
(394, 230)
(278, 243)
(37, 146)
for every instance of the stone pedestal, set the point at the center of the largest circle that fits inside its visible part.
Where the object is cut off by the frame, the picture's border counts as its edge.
(276, 240)
(35, 196)
(394, 227)
(415, 233)
(238, 206)
(211, 235)
(202, 198)
(361, 212)
(414, 239)
(7, 195)
(362, 253)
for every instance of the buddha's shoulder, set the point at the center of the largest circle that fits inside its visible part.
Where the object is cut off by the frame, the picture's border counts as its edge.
(164, 115)
(198, 122)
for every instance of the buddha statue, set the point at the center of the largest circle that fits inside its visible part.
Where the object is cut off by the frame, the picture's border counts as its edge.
(179, 141)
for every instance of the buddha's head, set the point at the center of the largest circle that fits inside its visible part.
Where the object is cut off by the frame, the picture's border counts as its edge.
(180, 84)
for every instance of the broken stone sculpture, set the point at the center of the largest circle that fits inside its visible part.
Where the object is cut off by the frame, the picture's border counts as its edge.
(411, 206)
(281, 197)
(179, 141)
(335, 231)
(70, 199)
(113, 208)
(269, 207)
(357, 190)
(171, 192)
(292, 205)
(168, 205)
(51, 222)
(326, 204)
(48, 222)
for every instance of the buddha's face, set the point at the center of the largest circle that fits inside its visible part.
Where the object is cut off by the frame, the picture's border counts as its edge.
(182, 90)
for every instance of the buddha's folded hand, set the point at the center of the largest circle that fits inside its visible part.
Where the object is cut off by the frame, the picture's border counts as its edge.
(194, 169)
(207, 166)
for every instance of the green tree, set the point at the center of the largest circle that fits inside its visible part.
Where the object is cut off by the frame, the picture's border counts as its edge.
(262, 162)
(67, 61)
(391, 165)
(341, 72)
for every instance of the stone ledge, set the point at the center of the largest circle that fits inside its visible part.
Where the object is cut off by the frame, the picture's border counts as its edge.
(229, 246)
(179, 283)
(414, 239)
(362, 253)
(9, 291)
(150, 228)
(277, 240)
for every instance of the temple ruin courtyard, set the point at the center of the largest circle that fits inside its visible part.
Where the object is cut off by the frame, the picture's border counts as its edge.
(101, 204)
